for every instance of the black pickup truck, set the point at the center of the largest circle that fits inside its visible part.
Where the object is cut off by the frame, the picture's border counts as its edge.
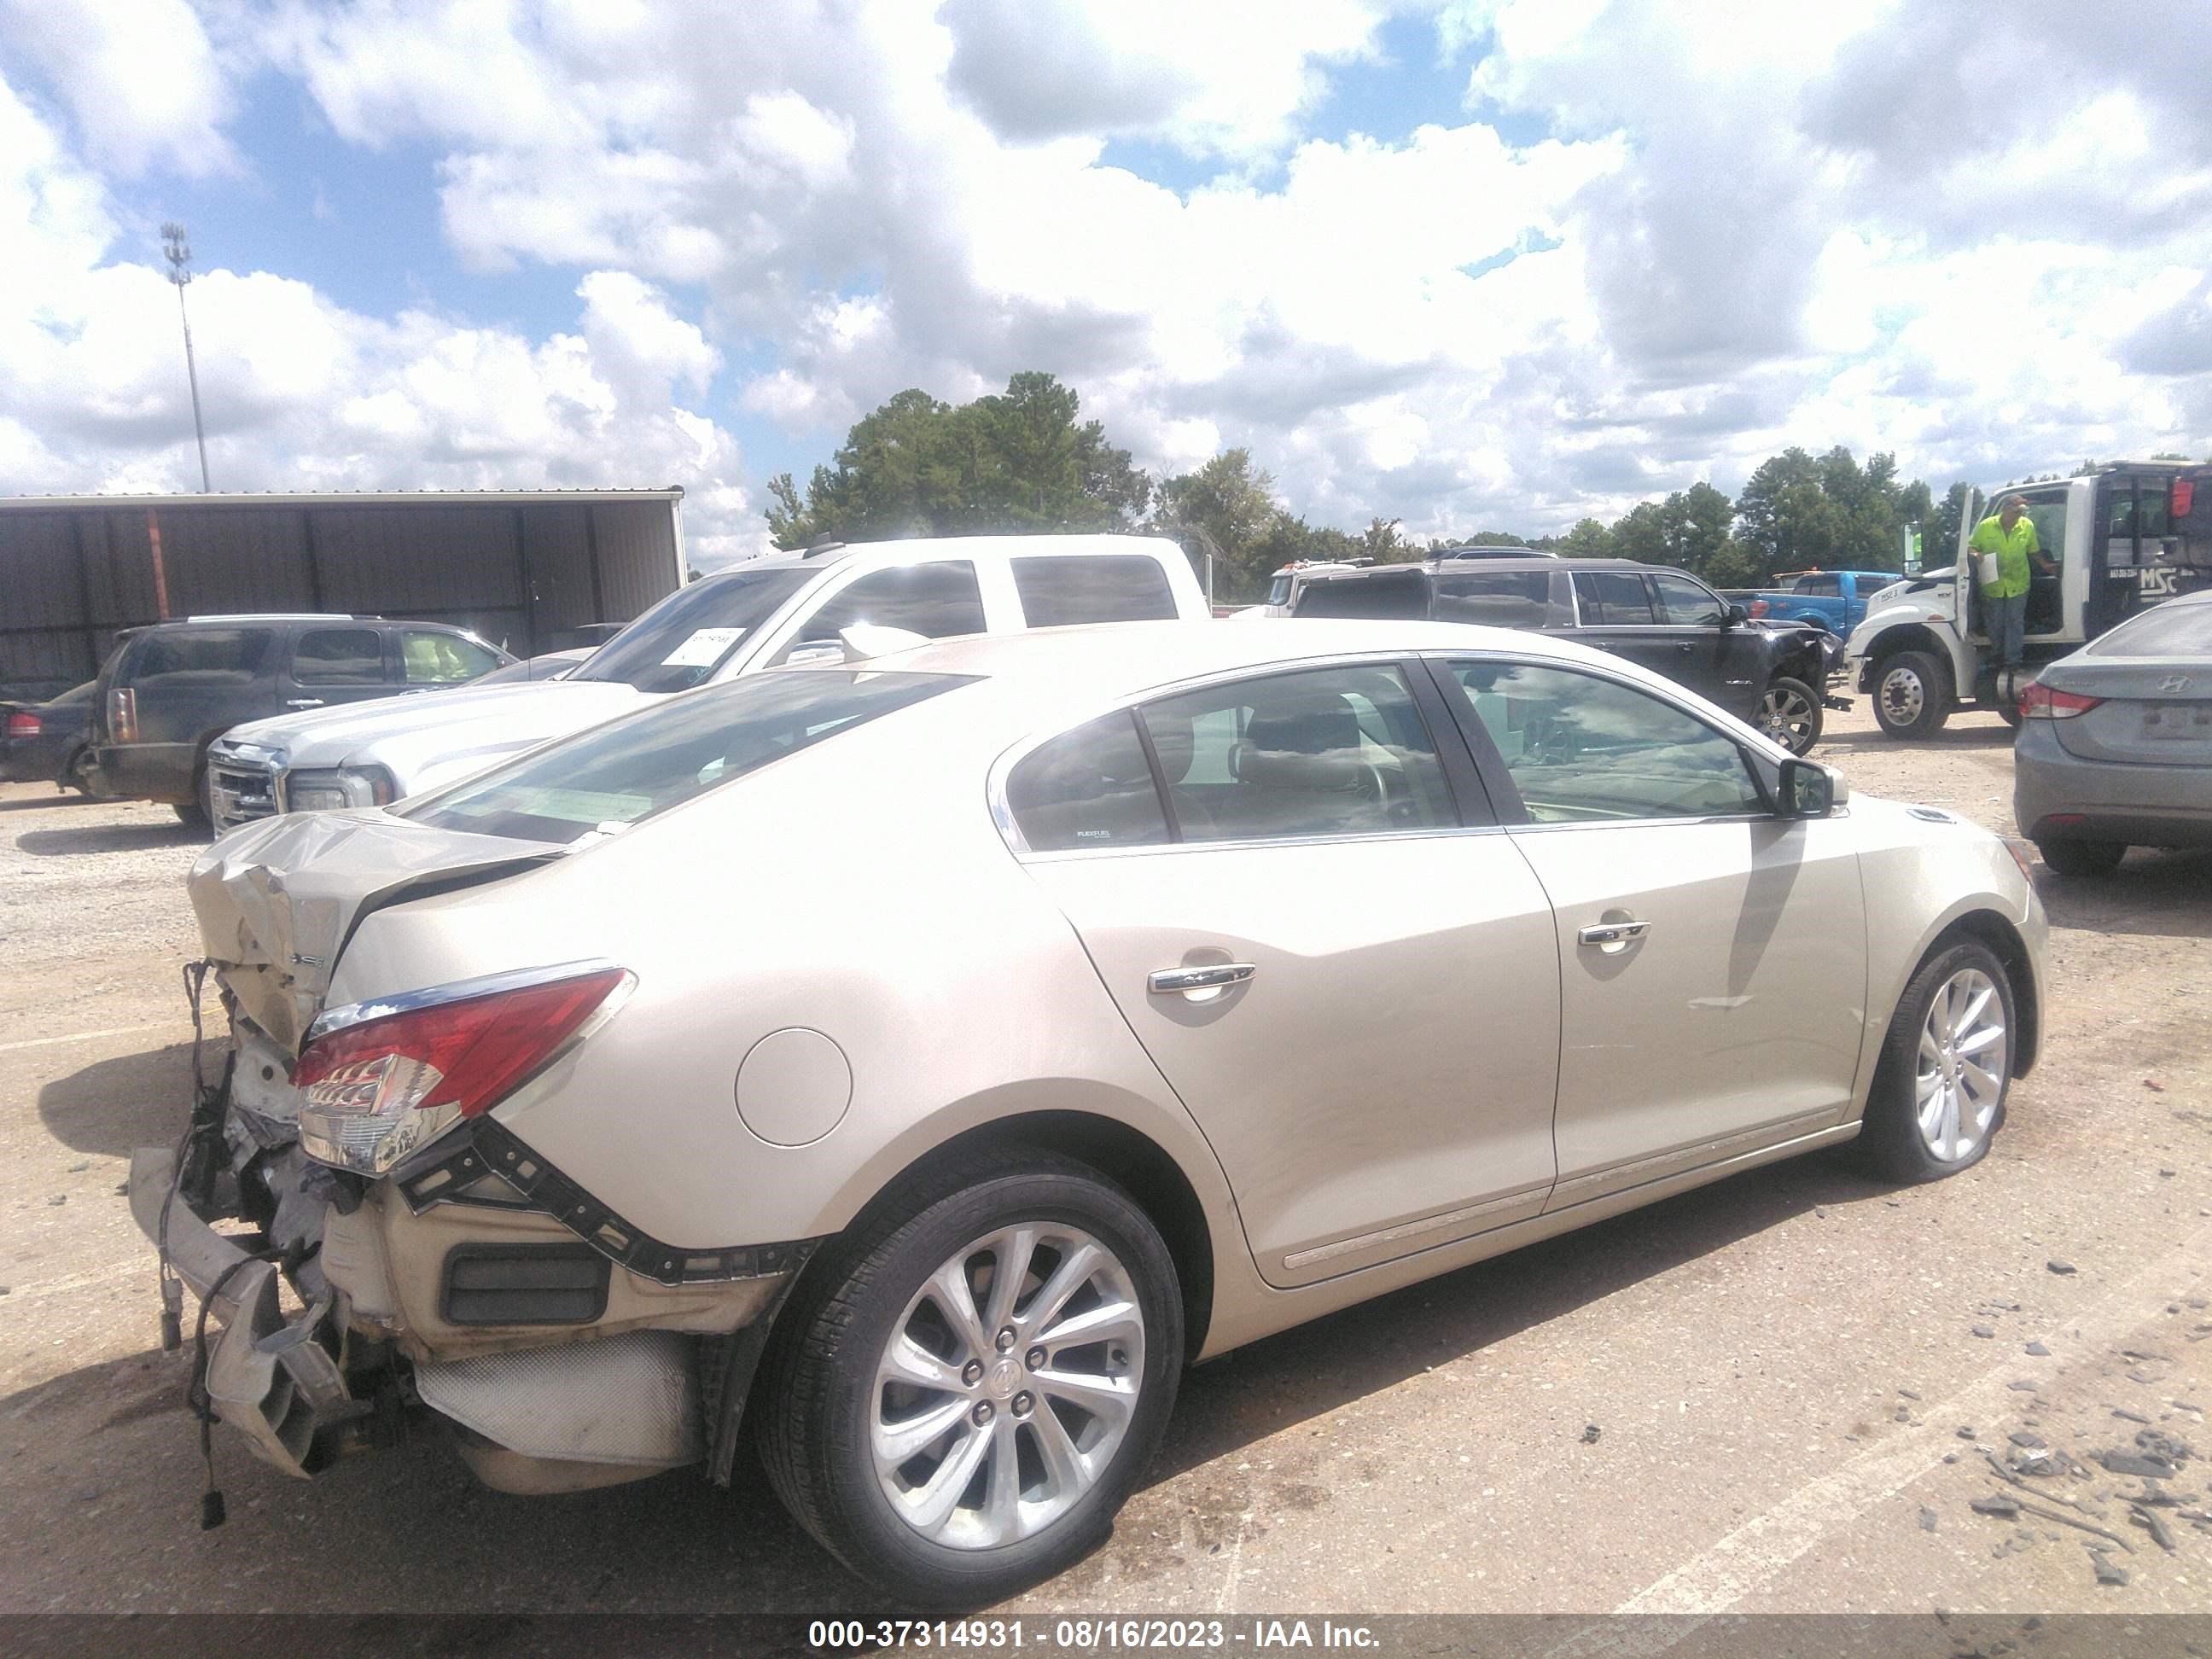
(168, 690)
(1771, 675)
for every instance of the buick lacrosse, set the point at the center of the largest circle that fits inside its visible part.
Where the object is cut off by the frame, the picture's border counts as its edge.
(916, 1065)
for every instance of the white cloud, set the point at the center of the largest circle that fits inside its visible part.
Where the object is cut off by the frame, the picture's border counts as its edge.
(142, 82)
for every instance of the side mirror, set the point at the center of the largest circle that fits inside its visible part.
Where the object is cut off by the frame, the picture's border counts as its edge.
(1810, 790)
(1737, 615)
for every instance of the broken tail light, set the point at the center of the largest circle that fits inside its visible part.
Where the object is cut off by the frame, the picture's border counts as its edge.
(2038, 701)
(24, 724)
(382, 1079)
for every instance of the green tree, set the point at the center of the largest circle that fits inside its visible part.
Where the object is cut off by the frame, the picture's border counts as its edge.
(1797, 511)
(1588, 539)
(1018, 461)
(1233, 504)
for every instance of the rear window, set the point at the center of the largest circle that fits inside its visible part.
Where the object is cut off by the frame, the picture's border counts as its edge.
(200, 656)
(623, 772)
(1507, 598)
(1102, 587)
(2172, 631)
(1401, 594)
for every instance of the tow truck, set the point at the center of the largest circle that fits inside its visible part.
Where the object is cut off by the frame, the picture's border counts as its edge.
(2125, 537)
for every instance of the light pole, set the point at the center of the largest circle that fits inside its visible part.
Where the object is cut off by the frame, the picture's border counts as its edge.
(178, 253)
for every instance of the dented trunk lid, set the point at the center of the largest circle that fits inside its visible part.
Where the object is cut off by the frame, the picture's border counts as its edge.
(277, 901)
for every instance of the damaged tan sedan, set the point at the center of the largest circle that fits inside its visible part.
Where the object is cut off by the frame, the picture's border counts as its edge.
(915, 1065)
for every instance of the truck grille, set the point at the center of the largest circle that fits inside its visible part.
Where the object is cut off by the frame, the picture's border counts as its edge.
(240, 791)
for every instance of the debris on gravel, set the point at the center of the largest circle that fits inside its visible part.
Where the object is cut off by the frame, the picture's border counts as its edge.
(2038, 1351)
(2062, 1268)
(1984, 1330)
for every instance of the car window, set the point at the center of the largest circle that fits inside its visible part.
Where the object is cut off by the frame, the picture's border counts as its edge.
(682, 641)
(1092, 588)
(613, 776)
(429, 658)
(1507, 598)
(2170, 630)
(1089, 788)
(338, 656)
(936, 601)
(1820, 586)
(1324, 751)
(1613, 598)
(1396, 593)
(1686, 603)
(201, 656)
(1582, 748)
(1278, 591)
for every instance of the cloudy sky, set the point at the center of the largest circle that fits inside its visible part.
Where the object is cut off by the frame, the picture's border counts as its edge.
(1470, 263)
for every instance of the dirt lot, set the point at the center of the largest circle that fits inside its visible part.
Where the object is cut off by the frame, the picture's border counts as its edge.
(1771, 1395)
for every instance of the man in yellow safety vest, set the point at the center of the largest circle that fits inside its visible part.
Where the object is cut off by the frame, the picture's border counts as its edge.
(2006, 541)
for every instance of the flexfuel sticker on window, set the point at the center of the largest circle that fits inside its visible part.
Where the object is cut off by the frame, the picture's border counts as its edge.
(704, 648)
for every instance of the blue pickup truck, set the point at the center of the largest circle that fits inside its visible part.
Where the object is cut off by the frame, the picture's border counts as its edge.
(1833, 599)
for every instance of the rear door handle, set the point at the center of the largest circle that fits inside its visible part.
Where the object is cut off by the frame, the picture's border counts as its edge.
(1213, 976)
(303, 702)
(1613, 933)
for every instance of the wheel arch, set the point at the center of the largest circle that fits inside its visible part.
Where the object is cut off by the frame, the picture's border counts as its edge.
(1938, 643)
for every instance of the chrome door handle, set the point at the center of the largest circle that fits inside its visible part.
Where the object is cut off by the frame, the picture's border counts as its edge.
(1214, 976)
(1613, 933)
(303, 702)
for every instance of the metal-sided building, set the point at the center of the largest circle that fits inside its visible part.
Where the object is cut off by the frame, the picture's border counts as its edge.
(523, 568)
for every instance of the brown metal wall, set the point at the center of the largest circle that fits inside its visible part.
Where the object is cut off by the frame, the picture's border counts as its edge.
(519, 574)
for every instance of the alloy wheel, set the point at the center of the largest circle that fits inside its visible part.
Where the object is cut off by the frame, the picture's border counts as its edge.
(1786, 716)
(1007, 1385)
(1964, 1054)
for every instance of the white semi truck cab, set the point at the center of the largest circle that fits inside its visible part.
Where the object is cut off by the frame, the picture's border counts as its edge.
(2124, 536)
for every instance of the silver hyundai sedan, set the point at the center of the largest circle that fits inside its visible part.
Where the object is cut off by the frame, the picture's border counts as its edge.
(915, 1065)
(2115, 743)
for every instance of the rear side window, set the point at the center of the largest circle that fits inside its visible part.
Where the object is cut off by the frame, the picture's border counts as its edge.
(339, 656)
(613, 776)
(1091, 787)
(1092, 588)
(202, 656)
(1507, 598)
(1823, 586)
(935, 600)
(1400, 595)
(1614, 599)
(429, 658)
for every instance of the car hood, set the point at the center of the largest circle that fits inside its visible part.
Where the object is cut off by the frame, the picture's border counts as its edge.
(468, 724)
(277, 900)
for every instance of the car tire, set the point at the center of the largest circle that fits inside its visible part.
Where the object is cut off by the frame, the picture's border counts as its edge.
(2082, 858)
(1911, 695)
(1936, 1102)
(830, 1410)
(1790, 713)
(76, 773)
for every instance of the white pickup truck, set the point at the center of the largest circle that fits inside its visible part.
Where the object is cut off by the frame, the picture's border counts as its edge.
(814, 606)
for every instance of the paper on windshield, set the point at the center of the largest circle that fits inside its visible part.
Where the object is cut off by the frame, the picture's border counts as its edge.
(704, 648)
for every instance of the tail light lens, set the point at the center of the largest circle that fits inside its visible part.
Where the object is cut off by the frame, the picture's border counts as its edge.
(1757, 607)
(24, 724)
(2183, 499)
(375, 1089)
(122, 715)
(2038, 701)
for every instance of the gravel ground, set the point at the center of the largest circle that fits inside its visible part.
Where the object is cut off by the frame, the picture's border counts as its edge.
(1775, 1394)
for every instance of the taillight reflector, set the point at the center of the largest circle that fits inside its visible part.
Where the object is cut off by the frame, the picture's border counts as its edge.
(2038, 701)
(373, 1093)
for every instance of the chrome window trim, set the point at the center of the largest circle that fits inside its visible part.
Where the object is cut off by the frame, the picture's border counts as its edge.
(1250, 844)
(1002, 814)
(462, 990)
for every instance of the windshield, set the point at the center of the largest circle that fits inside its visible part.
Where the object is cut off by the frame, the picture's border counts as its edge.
(615, 775)
(680, 641)
(1278, 591)
(2172, 631)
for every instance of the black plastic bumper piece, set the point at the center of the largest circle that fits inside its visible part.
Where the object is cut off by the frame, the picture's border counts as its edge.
(484, 1147)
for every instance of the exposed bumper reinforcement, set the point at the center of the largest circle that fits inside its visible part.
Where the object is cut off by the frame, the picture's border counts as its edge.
(268, 1377)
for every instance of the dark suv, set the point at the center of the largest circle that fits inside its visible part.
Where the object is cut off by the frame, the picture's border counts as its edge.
(1666, 620)
(169, 691)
